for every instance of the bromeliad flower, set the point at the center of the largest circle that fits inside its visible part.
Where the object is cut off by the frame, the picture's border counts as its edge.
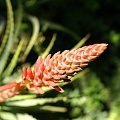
(54, 69)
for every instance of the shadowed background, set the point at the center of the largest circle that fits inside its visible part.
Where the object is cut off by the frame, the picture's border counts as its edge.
(93, 95)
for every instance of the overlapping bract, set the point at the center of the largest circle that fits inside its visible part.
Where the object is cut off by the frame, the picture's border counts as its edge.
(10, 90)
(58, 68)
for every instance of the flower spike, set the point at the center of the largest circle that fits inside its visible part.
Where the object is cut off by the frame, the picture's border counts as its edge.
(54, 69)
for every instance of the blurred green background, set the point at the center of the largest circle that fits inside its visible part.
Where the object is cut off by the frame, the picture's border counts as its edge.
(30, 28)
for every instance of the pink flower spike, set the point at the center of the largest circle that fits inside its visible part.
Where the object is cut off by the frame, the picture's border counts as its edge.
(54, 69)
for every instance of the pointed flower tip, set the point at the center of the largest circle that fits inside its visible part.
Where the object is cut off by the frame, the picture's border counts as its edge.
(103, 47)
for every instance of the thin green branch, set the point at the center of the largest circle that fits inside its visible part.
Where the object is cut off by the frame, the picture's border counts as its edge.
(36, 27)
(56, 26)
(19, 16)
(46, 52)
(8, 27)
(82, 41)
(6, 51)
(14, 60)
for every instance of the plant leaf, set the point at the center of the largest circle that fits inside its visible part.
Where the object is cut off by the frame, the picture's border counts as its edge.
(7, 116)
(36, 27)
(46, 52)
(6, 52)
(19, 17)
(33, 102)
(17, 116)
(82, 41)
(56, 26)
(14, 60)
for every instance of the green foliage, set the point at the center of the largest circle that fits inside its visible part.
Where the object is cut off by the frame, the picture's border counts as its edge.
(40, 27)
(5, 50)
